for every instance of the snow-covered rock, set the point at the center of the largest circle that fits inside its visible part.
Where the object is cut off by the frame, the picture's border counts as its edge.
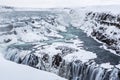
(100, 22)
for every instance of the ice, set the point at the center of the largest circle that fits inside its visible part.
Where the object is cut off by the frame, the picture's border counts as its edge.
(81, 55)
(107, 65)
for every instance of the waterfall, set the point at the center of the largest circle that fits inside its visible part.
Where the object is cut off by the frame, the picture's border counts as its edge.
(91, 71)
(74, 70)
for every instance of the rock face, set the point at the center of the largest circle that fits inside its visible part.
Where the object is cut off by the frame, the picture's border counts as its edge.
(30, 60)
(105, 27)
(110, 33)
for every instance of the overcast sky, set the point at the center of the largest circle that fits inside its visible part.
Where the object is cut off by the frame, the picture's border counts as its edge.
(57, 3)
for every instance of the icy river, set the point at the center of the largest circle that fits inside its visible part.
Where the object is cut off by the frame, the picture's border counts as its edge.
(103, 56)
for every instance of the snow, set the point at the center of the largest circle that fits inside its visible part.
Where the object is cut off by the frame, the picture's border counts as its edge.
(30, 37)
(79, 54)
(107, 65)
(51, 49)
(6, 37)
(114, 9)
(118, 66)
(112, 51)
(13, 71)
(82, 55)
(112, 29)
(38, 31)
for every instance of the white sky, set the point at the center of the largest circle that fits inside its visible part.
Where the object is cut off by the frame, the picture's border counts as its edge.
(57, 3)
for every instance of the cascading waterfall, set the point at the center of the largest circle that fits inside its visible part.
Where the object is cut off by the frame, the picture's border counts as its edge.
(91, 71)
(75, 70)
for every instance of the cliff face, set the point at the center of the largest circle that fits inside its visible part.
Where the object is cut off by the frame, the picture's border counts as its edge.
(102, 26)
(108, 29)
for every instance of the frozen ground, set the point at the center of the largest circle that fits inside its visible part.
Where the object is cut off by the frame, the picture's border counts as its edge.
(13, 71)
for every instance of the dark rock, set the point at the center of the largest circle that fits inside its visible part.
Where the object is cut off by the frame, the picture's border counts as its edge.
(15, 32)
(57, 59)
(7, 40)
(31, 60)
(45, 58)
(119, 74)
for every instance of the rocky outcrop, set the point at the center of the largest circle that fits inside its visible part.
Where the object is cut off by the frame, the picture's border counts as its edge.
(105, 27)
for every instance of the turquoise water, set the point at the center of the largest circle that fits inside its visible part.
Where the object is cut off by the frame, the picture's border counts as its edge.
(89, 44)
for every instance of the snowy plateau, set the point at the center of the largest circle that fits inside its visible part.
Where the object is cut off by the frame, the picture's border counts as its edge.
(60, 43)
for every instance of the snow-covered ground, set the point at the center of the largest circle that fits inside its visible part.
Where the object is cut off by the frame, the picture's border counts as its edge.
(13, 71)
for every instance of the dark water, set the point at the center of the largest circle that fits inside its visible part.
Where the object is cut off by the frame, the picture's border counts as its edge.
(103, 56)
